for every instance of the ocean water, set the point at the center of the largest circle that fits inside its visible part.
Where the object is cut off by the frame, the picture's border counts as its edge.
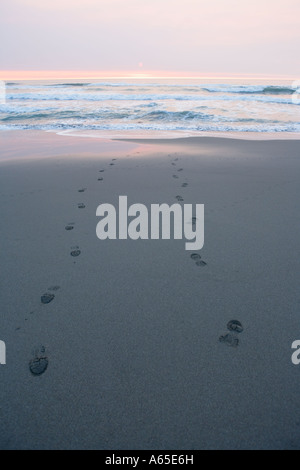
(151, 107)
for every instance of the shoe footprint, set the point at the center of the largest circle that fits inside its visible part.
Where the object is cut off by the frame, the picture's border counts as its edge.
(230, 339)
(45, 299)
(75, 251)
(39, 363)
(48, 297)
(198, 261)
(70, 226)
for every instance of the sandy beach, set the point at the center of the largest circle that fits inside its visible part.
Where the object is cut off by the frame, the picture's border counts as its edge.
(131, 338)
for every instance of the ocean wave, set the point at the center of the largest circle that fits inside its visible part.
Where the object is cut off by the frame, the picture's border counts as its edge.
(80, 105)
(142, 97)
(105, 115)
(49, 86)
(161, 115)
(194, 87)
(68, 84)
(36, 116)
(273, 89)
(154, 127)
(126, 114)
(254, 89)
(277, 90)
(20, 86)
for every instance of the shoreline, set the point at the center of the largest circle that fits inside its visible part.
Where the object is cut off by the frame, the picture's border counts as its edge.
(42, 144)
(165, 135)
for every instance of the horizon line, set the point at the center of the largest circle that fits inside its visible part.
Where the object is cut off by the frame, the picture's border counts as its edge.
(133, 75)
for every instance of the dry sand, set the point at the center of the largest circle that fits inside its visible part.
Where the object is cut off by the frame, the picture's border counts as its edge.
(132, 334)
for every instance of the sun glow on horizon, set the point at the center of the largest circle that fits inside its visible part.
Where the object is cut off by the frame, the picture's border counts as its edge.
(156, 39)
(6, 75)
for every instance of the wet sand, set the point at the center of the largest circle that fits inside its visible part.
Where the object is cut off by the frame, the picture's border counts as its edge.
(123, 344)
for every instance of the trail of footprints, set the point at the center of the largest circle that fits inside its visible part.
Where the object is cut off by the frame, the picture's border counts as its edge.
(39, 362)
(75, 250)
(194, 256)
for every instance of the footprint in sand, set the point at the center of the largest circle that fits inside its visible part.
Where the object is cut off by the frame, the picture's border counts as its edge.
(81, 205)
(39, 363)
(101, 171)
(75, 251)
(69, 227)
(81, 190)
(47, 298)
(231, 339)
(180, 169)
(175, 176)
(235, 325)
(179, 198)
(174, 164)
(100, 179)
(198, 261)
(184, 185)
(111, 164)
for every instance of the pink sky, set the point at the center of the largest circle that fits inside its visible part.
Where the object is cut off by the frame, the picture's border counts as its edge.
(159, 37)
